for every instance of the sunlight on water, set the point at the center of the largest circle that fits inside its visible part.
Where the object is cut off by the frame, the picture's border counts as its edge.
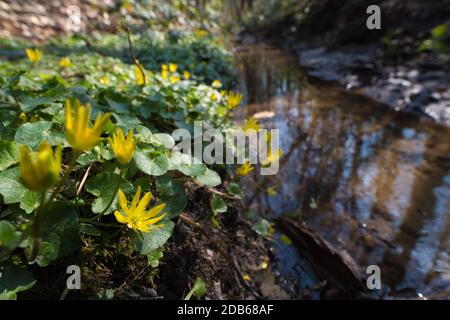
(377, 176)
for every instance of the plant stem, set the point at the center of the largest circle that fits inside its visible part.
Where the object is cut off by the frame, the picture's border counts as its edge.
(122, 171)
(36, 229)
(66, 176)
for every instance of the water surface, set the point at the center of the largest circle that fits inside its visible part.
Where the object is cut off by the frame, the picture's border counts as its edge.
(371, 181)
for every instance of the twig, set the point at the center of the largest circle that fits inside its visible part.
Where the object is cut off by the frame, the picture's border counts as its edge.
(133, 57)
(84, 179)
(220, 193)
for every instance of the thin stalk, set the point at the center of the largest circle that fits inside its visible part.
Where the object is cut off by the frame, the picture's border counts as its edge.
(122, 171)
(66, 176)
(36, 229)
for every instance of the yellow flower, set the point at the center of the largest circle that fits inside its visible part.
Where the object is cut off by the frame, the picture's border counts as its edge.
(186, 75)
(164, 74)
(234, 99)
(140, 75)
(217, 84)
(65, 62)
(213, 96)
(34, 54)
(244, 169)
(272, 157)
(172, 67)
(251, 124)
(174, 79)
(78, 133)
(127, 6)
(164, 67)
(271, 191)
(40, 170)
(123, 148)
(23, 117)
(136, 217)
(104, 80)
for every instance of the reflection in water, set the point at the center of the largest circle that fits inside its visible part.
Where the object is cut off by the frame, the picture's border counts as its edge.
(369, 180)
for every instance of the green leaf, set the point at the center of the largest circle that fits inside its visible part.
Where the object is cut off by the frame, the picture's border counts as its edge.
(154, 256)
(9, 238)
(285, 239)
(13, 191)
(146, 242)
(186, 164)
(209, 178)
(90, 229)
(104, 186)
(60, 233)
(9, 154)
(165, 139)
(234, 189)
(218, 205)
(127, 121)
(154, 167)
(32, 134)
(117, 106)
(198, 290)
(29, 103)
(263, 228)
(172, 194)
(14, 280)
(6, 99)
(440, 31)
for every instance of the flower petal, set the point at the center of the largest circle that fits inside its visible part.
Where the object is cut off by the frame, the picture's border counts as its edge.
(120, 217)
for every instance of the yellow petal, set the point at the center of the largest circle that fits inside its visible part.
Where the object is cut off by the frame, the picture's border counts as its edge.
(123, 202)
(155, 210)
(143, 203)
(120, 217)
(68, 115)
(136, 198)
(156, 220)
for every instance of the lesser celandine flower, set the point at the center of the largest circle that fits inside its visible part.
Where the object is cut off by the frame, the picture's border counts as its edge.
(34, 54)
(164, 74)
(123, 148)
(65, 62)
(234, 99)
(174, 79)
(140, 75)
(272, 157)
(23, 117)
(244, 169)
(251, 124)
(172, 67)
(186, 75)
(136, 216)
(40, 170)
(104, 80)
(79, 134)
(217, 84)
(272, 191)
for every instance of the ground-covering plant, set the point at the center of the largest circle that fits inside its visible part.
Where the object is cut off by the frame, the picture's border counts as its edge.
(85, 145)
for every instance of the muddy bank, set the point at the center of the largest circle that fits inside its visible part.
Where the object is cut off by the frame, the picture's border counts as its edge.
(420, 86)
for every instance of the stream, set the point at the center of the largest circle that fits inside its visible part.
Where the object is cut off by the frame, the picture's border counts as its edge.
(373, 182)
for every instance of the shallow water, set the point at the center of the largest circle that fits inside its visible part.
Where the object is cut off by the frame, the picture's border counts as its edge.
(371, 181)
